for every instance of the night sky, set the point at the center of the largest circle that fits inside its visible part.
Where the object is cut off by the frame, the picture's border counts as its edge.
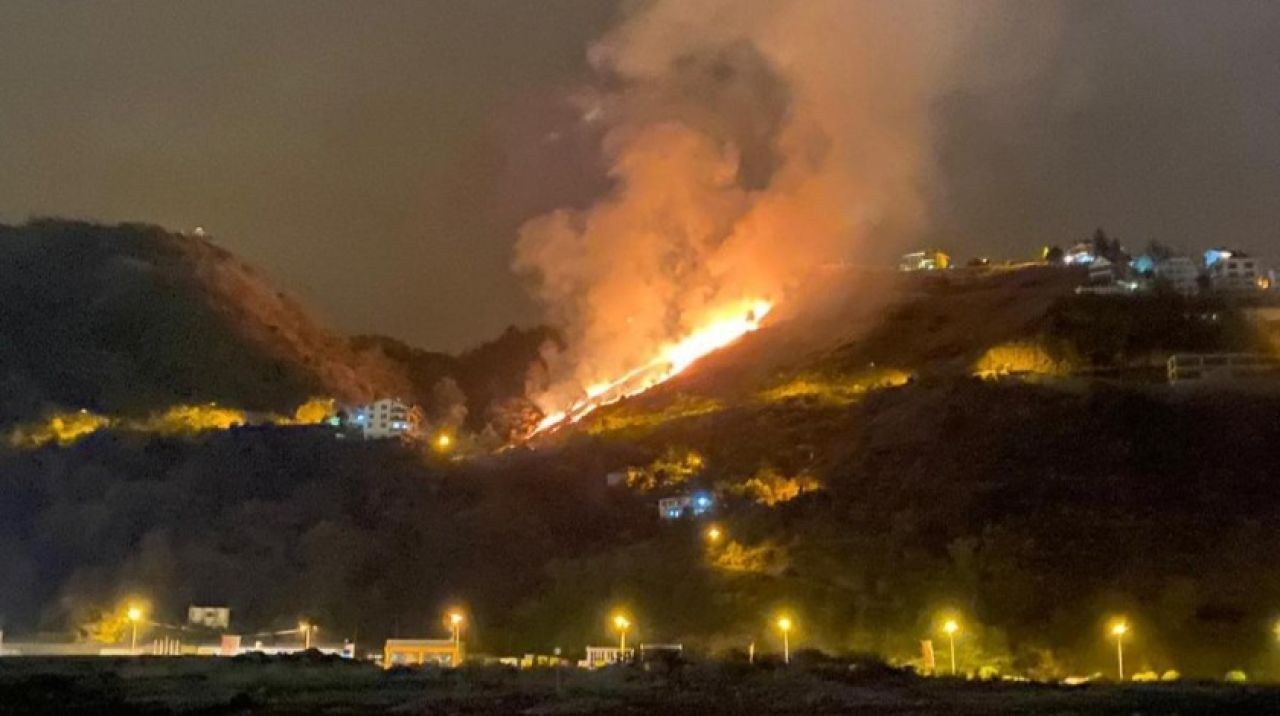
(376, 159)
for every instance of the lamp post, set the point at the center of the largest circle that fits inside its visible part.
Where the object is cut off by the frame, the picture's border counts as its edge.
(455, 624)
(621, 623)
(951, 627)
(135, 616)
(784, 626)
(1118, 630)
(306, 630)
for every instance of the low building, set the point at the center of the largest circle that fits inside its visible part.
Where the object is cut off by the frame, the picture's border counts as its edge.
(417, 652)
(599, 657)
(686, 505)
(385, 418)
(209, 617)
(927, 260)
(1222, 369)
(1180, 274)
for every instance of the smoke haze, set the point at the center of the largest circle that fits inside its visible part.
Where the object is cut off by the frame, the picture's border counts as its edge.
(747, 144)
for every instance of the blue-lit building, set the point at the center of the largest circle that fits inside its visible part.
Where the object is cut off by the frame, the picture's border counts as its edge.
(386, 418)
(694, 504)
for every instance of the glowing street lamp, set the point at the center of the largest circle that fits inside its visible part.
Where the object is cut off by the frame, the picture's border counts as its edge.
(714, 534)
(951, 627)
(1118, 630)
(622, 624)
(307, 630)
(784, 626)
(455, 624)
(443, 442)
(135, 615)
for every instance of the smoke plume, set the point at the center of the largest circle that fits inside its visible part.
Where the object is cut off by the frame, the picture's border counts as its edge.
(747, 144)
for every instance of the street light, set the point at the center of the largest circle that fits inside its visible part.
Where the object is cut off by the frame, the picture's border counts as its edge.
(455, 623)
(951, 627)
(306, 630)
(443, 441)
(714, 534)
(135, 615)
(784, 625)
(622, 624)
(1118, 630)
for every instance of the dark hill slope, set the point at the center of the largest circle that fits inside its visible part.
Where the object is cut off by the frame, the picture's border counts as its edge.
(131, 318)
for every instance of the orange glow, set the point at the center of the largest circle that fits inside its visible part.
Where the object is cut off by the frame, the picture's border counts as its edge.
(670, 360)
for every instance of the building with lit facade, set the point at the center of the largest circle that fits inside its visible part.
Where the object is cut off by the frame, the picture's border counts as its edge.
(386, 418)
(687, 505)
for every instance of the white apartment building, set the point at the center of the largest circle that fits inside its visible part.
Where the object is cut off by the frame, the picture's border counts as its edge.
(385, 418)
(1238, 274)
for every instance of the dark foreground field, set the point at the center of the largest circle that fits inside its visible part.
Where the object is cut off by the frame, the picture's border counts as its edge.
(224, 686)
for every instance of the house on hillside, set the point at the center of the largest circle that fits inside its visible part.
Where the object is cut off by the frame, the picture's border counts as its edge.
(1079, 255)
(385, 418)
(693, 504)
(926, 260)
(1180, 274)
(1238, 274)
(1103, 271)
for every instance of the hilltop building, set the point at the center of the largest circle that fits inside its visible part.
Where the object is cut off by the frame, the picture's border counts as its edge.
(1180, 274)
(927, 260)
(1079, 255)
(1237, 274)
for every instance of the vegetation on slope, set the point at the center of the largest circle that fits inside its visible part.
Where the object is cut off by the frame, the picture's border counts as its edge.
(127, 320)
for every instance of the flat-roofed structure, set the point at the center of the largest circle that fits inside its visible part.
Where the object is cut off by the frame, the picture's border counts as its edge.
(1221, 368)
(417, 652)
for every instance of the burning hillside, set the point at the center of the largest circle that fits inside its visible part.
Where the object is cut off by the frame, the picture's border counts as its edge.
(738, 163)
(670, 361)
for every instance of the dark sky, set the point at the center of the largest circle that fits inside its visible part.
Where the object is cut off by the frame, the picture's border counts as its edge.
(375, 158)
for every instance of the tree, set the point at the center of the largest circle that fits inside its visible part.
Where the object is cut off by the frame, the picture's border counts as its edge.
(1158, 251)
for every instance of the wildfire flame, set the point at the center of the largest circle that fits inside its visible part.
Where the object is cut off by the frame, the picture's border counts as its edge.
(670, 360)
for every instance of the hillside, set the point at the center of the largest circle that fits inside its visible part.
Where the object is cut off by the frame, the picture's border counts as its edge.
(132, 320)
(129, 319)
(867, 481)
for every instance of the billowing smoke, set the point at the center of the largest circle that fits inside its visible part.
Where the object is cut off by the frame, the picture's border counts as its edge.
(748, 143)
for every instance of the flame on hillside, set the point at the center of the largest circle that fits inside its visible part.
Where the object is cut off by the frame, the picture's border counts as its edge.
(670, 361)
(744, 144)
